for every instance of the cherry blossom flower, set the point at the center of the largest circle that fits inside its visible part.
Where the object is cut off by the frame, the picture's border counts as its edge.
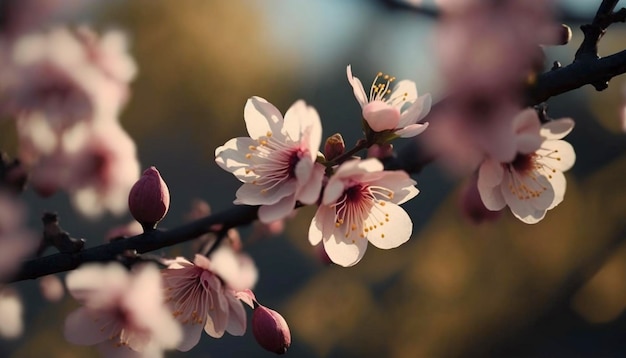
(203, 294)
(397, 110)
(95, 163)
(277, 162)
(11, 324)
(361, 204)
(533, 182)
(16, 242)
(123, 313)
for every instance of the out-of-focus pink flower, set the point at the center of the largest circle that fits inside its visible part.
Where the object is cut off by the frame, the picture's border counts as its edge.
(277, 163)
(202, 295)
(132, 228)
(122, 313)
(16, 242)
(96, 164)
(533, 182)
(11, 324)
(396, 110)
(380, 151)
(361, 204)
(67, 77)
(51, 288)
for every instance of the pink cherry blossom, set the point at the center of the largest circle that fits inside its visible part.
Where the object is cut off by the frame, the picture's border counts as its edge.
(51, 288)
(16, 241)
(533, 182)
(95, 163)
(277, 163)
(122, 313)
(203, 295)
(397, 110)
(361, 204)
(67, 77)
(11, 311)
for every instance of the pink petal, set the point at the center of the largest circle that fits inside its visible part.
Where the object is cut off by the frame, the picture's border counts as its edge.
(81, 328)
(411, 130)
(278, 210)
(310, 192)
(380, 116)
(191, 336)
(250, 194)
(322, 225)
(557, 154)
(236, 317)
(232, 157)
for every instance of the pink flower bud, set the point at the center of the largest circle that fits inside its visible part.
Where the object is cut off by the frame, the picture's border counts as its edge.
(149, 199)
(334, 146)
(270, 330)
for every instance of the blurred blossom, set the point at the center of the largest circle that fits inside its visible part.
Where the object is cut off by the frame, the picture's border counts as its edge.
(380, 151)
(16, 242)
(361, 204)
(51, 288)
(122, 313)
(95, 163)
(396, 110)
(277, 163)
(11, 324)
(19, 16)
(132, 228)
(533, 182)
(487, 52)
(67, 76)
(202, 296)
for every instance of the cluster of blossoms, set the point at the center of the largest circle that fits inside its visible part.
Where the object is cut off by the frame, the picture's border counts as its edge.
(65, 90)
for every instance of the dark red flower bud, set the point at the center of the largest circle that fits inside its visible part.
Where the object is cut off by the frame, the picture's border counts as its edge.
(149, 199)
(270, 330)
(334, 146)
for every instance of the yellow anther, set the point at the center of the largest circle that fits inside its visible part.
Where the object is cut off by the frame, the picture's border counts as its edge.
(252, 147)
(248, 156)
(268, 134)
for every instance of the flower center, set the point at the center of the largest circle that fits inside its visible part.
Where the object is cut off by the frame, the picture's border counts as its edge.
(527, 170)
(189, 294)
(524, 163)
(360, 210)
(274, 161)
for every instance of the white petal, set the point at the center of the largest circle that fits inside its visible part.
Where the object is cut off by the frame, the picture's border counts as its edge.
(411, 130)
(557, 154)
(261, 117)
(310, 192)
(358, 166)
(492, 198)
(232, 157)
(405, 86)
(333, 191)
(546, 199)
(559, 185)
(416, 111)
(557, 129)
(522, 209)
(250, 194)
(278, 210)
(399, 182)
(344, 252)
(490, 174)
(395, 232)
(295, 118)
(322, 225)
(357, 87)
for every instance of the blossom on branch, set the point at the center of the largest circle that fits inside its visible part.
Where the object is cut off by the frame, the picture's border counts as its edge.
(277, 162)
(123, 313)
(396, 110)
(533, 182)
(203, 295)
(361, 204)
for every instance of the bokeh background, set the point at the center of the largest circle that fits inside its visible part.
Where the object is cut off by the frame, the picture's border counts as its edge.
(456, 289)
